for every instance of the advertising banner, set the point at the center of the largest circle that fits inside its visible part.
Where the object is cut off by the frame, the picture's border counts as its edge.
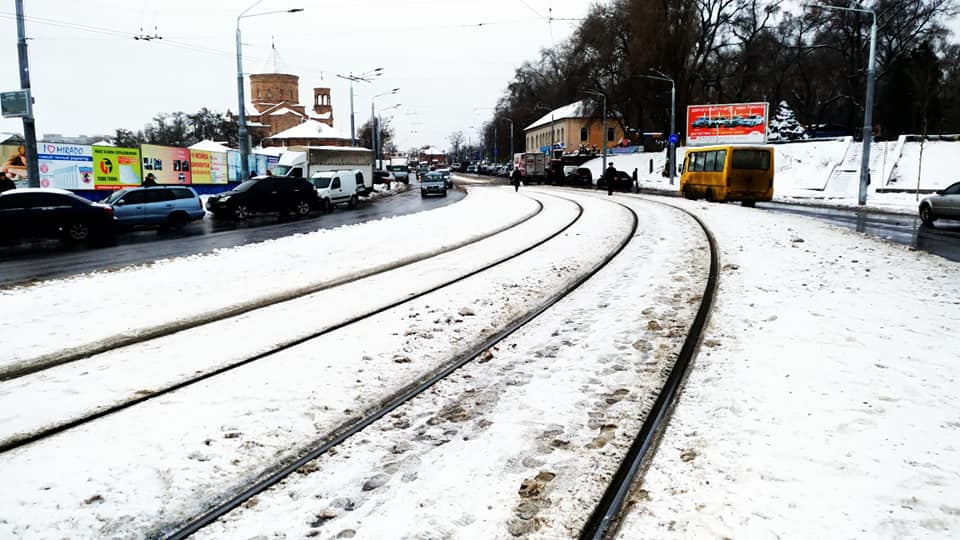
(65, 166)
(233, 166)
(736, 123)
(208, 167)
(14, 163)
(169, 164)
(115, 168)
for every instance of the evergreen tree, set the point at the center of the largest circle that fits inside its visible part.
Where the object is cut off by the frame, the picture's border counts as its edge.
(784, 125)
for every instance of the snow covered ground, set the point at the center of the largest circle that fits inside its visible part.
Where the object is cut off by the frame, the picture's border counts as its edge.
(825, 400)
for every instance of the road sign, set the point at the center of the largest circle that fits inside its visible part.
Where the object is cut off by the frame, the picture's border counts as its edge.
(16, 104)
(674, 138)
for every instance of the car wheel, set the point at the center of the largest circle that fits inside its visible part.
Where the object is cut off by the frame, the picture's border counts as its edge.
(302, 208)
(353, 201)
(241, 211)
(926, 215)
(423, 195)
(177, 220)
(444, 193)
(77, 232)
(748, 204)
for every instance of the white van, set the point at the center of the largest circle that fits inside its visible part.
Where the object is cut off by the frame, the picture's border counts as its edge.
(337, 187)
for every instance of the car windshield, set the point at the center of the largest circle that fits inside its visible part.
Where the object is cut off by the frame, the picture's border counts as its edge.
(396, 168)
(433, 178)
(322, 182)
(246, 185)
(115, 196)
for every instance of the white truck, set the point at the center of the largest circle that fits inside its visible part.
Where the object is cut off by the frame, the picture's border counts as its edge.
(306, 161)
(534, 167)
(400, 168)
(337, 187)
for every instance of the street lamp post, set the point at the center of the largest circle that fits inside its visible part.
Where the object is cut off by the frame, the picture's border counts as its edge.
(366, 77)
(604, 136)
(511, 140)
(242, 131)
(373, 124)
(29, 126)
(868, 101)
(672, 147)
(380, 130)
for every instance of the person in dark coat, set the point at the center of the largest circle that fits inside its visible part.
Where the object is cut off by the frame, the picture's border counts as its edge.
(6, 184)
(636, 185)
(516, 179)
(609, 176)
(150, 180)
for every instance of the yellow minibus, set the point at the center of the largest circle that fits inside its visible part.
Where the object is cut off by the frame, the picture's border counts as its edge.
(728, 173)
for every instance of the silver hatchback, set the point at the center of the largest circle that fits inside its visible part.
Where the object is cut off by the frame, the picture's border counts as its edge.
(945, 204)
(164, 206)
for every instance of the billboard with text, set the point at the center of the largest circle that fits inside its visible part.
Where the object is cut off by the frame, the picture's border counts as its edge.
(734, 123)
(65, 166)
(208, 167)
(115, 168)
(169, 164)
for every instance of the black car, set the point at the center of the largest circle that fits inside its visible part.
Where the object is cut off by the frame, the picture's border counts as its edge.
(621, 182)
(285, 195)
(54, 213)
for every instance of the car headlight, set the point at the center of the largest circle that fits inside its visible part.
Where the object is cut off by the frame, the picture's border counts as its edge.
(224, 198)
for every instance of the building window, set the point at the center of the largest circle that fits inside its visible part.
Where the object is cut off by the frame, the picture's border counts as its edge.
(583, 134)
(268, 93)
(258, 92)
(610, 134)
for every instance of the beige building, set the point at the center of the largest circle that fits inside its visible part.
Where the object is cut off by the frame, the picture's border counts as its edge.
(570, 127)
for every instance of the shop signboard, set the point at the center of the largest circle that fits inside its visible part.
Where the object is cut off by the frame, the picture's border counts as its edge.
(169, 164)
(115, 168)
(65, 166)
(735, 123)
(208, 167)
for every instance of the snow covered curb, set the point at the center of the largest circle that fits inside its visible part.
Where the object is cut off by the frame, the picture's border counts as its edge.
(81, 314)
(823, 402)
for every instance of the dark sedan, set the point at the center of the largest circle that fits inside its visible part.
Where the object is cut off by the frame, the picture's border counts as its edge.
(53, 213)
(291, 195)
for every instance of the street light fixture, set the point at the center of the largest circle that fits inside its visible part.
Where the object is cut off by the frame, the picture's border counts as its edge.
(672, 147)
(604, 136)
(365, 77)
(868, 101)
(242, 131)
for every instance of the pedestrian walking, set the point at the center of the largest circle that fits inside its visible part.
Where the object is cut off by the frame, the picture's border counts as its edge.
(150, 180)
(609, 176)
(516, 180)
(636, 185)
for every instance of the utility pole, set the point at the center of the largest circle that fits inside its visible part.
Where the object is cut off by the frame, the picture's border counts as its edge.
(29, 127)
(511, 140)
(604, 136)
(366, 77)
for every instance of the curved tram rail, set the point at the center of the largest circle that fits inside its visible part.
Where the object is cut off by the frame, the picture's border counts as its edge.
(611, 504)
(18, 441)
(274, 478)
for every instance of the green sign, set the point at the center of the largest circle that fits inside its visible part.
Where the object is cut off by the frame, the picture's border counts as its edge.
(16, 104)
(115, 168)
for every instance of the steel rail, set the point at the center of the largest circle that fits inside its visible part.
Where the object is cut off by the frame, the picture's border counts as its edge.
(611, 503)
(17, 442)
(47, 361)
(272, 479)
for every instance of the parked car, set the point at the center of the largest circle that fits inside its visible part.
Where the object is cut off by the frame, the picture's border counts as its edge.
(422, 170)
(583, 176)
(472, 169)
(431, 183)
(621, 181)
(54, 213)
(401, 172)
(264, 194)
(383, 177)
(944, 205)
(164, 206)
(337, 187)
(702, 122)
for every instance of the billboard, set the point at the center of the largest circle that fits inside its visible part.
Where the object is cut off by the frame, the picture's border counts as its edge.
(735, 123)
(65, 166)
(208, 167)
(115, 168)
(169, 164)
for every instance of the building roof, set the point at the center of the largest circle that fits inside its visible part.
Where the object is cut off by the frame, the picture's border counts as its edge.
(285, 111)
(432, 152)
(310, 129)
(207, 145)
(573, 110)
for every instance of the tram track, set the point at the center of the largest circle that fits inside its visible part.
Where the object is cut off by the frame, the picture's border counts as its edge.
(389, 405)
(22, 439)
(72, 354)
(605, 516)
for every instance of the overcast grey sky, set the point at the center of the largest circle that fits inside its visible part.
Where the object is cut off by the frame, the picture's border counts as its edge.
(89, 76)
